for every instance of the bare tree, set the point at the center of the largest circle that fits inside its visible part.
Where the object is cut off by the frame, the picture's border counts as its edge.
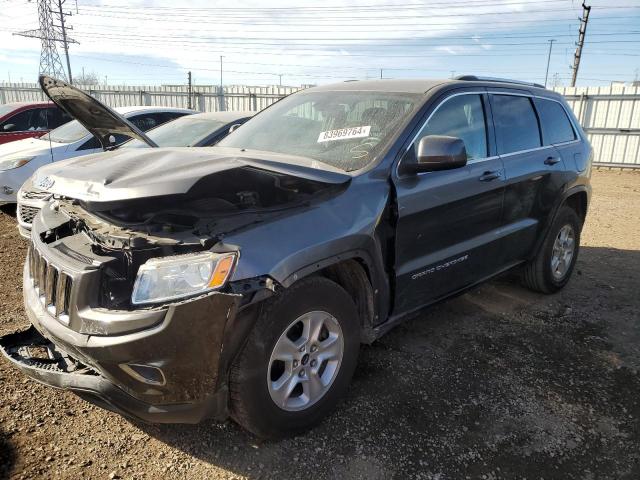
(86, 78)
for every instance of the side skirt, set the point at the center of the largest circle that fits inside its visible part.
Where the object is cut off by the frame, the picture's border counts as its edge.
(395, 320)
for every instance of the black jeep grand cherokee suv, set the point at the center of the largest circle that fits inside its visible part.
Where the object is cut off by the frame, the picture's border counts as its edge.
(176, 284)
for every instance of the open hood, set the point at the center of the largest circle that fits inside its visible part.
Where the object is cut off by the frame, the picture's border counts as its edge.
(96, 117)
(129, 174)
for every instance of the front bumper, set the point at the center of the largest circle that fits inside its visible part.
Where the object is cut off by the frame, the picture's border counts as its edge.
(185, 343)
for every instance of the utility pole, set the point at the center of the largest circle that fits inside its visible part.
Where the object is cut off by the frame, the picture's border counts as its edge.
(50, 35)
(546, 75)
(280, 75)
(63, 29)
(380, 74)
(221, 73)
(581, 34)
(189, 90)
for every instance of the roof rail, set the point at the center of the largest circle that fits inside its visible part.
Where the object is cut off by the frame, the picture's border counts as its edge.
(472, 78)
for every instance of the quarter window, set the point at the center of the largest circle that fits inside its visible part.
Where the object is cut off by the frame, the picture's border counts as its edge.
(556, 126)
(463, 117)
(516, 123)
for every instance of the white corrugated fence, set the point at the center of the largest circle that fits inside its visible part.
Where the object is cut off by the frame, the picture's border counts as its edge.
(611, 118)
(609, 115)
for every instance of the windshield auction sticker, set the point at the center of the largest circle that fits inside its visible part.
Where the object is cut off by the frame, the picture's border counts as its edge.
(344, 134)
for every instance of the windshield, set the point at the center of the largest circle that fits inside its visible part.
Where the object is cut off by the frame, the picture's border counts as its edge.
(346, 130)
(67, 133)
(183, 132)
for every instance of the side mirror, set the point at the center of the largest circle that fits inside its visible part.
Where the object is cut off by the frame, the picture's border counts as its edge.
(436, 152)
(8, 127)
(234, 127)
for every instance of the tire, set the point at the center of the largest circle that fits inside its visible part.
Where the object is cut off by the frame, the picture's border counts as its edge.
(539, 274)
(258, 370)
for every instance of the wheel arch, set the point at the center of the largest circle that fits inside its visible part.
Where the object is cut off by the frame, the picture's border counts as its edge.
(363, 278)
(576, 198)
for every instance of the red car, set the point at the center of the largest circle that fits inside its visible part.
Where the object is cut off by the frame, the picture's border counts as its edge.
(23, 120)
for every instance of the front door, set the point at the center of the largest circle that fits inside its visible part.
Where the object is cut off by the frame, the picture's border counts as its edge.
(449, 221)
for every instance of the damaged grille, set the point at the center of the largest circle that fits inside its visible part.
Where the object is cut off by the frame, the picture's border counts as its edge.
(52, 285)
(26, 214)
(35, 195)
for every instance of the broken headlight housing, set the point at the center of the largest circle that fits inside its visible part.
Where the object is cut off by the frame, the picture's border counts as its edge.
(180, 276)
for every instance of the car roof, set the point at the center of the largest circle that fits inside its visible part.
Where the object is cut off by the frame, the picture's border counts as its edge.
(30, 104)
(224, 116)
(149, 109)
(422, 85)
(404, 86)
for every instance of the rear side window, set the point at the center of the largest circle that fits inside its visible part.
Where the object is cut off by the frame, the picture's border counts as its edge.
(516, 123)
(462, 117)
(57, 117)
(556, 126)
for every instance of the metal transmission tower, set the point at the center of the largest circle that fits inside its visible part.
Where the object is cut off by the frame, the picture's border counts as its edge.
(51, 33)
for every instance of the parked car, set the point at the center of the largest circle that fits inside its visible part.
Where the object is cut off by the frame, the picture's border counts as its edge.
(199, 130)
(177, 284)
(21, 120)
(18, 160)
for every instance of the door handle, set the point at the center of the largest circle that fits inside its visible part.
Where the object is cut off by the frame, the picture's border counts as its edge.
(551, 160)
(488, 176)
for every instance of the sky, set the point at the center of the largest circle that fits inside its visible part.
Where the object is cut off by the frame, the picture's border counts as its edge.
(154, 42)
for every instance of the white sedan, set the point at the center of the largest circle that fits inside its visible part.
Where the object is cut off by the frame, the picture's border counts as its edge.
(19, 159)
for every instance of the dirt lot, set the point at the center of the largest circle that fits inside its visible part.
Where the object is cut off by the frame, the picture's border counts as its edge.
(498, 383)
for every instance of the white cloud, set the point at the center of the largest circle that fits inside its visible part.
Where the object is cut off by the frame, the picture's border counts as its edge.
(285, 39)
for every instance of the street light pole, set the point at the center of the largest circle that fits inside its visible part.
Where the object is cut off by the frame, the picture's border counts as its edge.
(546, 75)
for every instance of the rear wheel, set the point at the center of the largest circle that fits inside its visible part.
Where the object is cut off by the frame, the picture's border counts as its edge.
(298, 360)
(551, 269)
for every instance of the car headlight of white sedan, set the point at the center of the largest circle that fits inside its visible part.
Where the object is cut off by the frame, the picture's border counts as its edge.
(17, 162)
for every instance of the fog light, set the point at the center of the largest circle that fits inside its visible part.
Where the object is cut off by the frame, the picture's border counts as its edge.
(144, 373)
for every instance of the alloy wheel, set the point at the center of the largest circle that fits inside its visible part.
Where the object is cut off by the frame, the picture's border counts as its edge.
(305, 361)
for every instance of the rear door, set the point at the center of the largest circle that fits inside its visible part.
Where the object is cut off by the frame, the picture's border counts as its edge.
(449, 221)
(27, 123)
(534, 172)
(558, 130)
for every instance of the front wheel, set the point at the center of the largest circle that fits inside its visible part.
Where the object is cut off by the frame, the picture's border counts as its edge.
(298, 360)
(551, 268)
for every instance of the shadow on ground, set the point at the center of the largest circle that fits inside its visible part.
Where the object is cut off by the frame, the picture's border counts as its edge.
(9, 209)
(7, 456)
(500, 381)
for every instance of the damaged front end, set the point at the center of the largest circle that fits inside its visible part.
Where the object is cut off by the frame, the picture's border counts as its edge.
(163, 360)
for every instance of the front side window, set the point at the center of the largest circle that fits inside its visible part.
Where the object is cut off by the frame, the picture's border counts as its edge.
(556, 127)
(463, 117)
(144, 122)
(516, 123)
(345, 130)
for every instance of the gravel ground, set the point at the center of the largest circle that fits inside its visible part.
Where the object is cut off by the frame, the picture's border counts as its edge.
(497, 383)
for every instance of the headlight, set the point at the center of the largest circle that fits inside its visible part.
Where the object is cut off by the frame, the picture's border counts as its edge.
(169, 278)
(12, 163)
